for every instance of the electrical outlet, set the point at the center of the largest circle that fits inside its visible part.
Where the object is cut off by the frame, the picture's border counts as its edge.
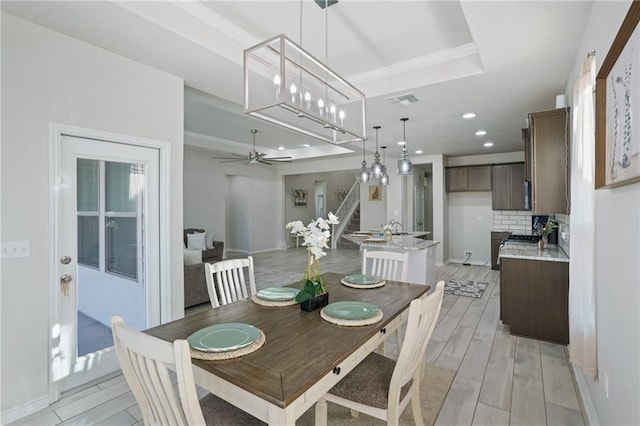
(468, 253)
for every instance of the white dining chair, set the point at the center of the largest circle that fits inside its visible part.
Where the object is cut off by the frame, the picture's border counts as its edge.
(146, 362)
(388, 265)
(381, 387)
(226, 280)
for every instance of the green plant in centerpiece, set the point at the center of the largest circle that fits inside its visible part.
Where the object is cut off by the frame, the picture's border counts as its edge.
(315, 235)
(548, 228)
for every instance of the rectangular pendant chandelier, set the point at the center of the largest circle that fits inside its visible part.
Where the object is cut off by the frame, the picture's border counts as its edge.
(287, 86)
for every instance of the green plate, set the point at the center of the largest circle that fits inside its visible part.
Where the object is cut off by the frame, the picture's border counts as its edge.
(362, 279)
(224, 337)
(278, 293)
(351, 310)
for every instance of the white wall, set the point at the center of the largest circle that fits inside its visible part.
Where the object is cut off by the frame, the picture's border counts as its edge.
(469, 214)
(617, 252)
(205, 190)
(48, 77)
(470, 224)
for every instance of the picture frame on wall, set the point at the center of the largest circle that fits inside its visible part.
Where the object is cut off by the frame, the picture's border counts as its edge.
(300, 197)
(617, 100)
(375, 192)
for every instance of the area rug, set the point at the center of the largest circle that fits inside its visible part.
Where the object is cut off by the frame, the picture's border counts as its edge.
(433, 391)
(466, 288)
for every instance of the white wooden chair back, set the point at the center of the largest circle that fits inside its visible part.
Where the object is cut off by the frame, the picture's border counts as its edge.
(388, 265)
(423, 315)
(226, 281)
(146, 362)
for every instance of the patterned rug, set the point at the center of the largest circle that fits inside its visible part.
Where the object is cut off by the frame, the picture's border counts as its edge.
(466, 288)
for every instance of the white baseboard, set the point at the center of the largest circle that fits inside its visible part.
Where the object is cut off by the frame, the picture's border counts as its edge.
(590, 414)
(23, 410)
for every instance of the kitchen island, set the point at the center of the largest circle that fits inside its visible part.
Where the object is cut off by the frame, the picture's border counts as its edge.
(534, 291)
(422, 253)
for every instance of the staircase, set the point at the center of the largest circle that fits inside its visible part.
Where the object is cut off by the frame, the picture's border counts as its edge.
(352, 226)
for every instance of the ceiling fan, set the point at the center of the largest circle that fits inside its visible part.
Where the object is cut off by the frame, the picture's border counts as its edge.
(254, 156)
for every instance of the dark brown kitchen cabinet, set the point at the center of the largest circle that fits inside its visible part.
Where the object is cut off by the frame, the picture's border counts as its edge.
(468, 178)
(534, 298)
(496, 239)
(508, 187)
(548, 150)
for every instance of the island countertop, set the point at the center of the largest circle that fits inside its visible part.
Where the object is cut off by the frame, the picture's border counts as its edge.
(551, 252)
(410, 241)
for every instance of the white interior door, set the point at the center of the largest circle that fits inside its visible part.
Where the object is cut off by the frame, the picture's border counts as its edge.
(107, 234)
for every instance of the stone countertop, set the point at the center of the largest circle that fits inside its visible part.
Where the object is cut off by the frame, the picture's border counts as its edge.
(411, 241)
(515, 250)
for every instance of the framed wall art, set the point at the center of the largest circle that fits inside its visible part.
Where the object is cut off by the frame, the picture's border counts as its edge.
(299, 198)
(375, 192)
(617, 101)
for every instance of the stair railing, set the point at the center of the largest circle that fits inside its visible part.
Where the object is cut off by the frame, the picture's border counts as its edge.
(344, 213)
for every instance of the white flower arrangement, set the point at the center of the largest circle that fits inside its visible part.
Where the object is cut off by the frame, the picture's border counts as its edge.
(316, 235)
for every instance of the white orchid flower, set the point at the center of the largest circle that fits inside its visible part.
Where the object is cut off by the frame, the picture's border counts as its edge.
(333, 219)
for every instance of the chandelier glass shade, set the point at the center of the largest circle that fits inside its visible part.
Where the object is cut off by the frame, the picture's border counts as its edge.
(384, 179)
(376, 167)
(287, 86)
(364, 175)
(404, 163)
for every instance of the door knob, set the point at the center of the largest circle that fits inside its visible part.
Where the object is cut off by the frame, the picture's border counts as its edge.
(65, 279)
(65, 260)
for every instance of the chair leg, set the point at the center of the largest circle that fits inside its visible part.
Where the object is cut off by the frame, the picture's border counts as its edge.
(416, 409)
(321, 412)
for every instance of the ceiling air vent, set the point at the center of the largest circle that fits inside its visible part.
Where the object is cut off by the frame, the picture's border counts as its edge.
(406, 99)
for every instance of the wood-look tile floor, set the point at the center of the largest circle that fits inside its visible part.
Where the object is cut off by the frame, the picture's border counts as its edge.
(500, 380)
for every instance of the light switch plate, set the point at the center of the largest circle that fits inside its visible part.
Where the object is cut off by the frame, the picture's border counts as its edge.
(14, 249)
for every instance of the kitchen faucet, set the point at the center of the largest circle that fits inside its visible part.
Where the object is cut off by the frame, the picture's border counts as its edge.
(395, 224)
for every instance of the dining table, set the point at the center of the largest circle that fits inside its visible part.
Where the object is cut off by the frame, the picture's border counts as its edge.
(303, 356)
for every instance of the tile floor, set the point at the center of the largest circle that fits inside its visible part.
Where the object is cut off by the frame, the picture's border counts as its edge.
(500, 379)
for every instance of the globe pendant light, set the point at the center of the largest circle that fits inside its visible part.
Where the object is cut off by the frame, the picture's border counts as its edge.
(376, 167)
(384, 179)
(364, 174)
(404, 163)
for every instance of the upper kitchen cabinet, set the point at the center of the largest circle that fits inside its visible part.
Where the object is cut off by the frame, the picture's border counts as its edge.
(548, 160)
(508, 187)
(468, 178)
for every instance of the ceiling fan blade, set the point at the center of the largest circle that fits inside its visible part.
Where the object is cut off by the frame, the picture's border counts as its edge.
(232, 160)
(279, 158)
(260, 160)
(237, 156)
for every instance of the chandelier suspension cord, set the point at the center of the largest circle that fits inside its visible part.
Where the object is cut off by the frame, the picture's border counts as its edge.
(326, 31)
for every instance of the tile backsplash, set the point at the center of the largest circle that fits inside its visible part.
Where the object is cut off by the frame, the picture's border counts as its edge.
(516, 221)
(564, 233)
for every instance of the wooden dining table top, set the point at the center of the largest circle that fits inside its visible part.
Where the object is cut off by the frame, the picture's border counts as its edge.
(300, 346)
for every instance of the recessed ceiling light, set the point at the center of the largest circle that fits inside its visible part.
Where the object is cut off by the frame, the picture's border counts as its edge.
(281, 148)
(481, 132)
(306, 145)
(419, 151)
(487, 144)
(469, 115)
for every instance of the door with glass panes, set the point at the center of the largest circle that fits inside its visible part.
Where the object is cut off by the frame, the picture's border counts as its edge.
(108, 222)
